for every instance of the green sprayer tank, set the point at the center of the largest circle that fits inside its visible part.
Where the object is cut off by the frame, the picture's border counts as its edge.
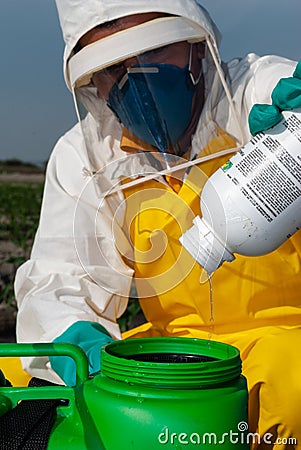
(151, 394)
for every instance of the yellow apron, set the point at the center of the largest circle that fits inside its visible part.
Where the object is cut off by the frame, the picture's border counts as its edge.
(256, 300)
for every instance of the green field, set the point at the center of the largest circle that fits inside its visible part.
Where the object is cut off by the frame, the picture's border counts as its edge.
(20, 204)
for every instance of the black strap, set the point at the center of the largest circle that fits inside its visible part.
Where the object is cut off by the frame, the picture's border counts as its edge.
(28, 425)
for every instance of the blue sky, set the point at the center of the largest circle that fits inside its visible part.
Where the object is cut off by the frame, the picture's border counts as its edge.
(36, 107)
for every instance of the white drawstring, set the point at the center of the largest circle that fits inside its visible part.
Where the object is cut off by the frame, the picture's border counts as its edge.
(225, 86)
(150, 176)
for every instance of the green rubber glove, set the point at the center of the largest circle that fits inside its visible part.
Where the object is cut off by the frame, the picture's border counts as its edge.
(285, 97)
(90, 336)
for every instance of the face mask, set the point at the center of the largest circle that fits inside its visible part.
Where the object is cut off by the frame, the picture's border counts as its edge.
(154, 102)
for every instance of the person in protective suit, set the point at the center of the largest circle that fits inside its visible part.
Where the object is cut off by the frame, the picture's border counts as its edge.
(152, 94)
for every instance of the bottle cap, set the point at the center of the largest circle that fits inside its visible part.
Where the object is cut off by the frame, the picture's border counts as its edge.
(205, 247)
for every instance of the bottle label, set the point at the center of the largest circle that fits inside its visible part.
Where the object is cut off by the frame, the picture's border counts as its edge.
(268, 169)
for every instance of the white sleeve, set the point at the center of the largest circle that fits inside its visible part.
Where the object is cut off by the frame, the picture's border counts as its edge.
(75, 272)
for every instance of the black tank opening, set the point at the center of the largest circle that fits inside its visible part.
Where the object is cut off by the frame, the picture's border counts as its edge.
(170, 358)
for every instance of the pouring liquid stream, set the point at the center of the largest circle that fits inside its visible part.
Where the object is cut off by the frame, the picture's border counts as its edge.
(204, 278)
(211, 320)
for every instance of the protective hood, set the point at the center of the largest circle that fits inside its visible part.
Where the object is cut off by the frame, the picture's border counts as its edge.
(78, 17)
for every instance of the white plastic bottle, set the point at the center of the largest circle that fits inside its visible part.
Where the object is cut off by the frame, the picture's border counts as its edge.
(252, 204)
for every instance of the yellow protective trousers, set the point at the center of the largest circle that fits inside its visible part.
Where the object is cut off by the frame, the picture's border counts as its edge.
(255, 303)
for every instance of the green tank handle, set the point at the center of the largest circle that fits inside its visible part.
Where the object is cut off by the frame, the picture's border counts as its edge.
(51, 349)
(16, 394)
